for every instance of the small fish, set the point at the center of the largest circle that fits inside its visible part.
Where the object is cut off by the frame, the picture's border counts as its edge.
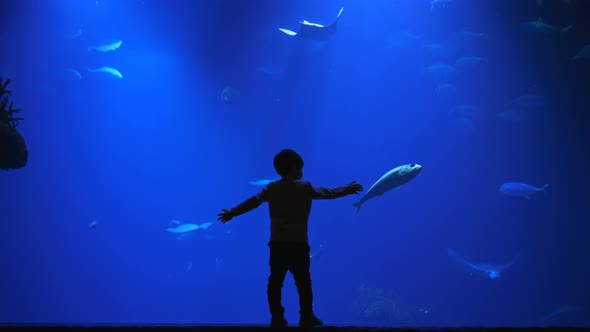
(271, 69)
(529, 102)
(441, 71)
(567, 2)
(106, 47)
(263, 182)
(438, 3)
(463, 123)
(230, 94)
(446, 91)
(565, 313)
(316, 255)
(583, 54)
(107, 70)
(184, 228)
(92, 225)
(439, 51)
(539, 26)
(314, 31)
(521, 189)
(73, 73)
(491, 271)
(75, 34)
(470, 61)
(389, 181)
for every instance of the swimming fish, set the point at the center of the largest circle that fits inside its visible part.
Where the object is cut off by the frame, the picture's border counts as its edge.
(470, 61)
(491, 271)
(441, 71)
(314, 31)
(445, 91)
(263, 182)
(184, 228)
(389, 181)
(92, 225)
(230, 94)
(315, 255)
(106, 47)
(539, 26)
(584, 53)
(438, 3)
(107, 70)
(520, 189)
(567, 2)
(529, 102)
(73, 73)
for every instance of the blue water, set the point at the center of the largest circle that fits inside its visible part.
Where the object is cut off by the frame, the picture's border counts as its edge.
(162, 143)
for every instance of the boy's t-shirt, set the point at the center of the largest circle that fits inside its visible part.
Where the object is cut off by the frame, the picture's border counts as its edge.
(289, 205)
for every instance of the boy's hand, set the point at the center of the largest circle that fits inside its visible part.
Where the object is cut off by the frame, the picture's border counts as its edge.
(225, 216)
(355, 188)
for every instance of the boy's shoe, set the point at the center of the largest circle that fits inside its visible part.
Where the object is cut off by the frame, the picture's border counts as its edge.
(310, 321)
(278, 322)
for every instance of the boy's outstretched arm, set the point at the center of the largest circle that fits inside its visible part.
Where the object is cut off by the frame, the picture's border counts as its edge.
(246, 206)
(328, 193)
(224, 216)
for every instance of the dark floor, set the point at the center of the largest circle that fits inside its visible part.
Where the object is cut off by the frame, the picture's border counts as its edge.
(252, 328)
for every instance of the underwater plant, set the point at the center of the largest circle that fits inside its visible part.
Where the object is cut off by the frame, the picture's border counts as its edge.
(13, 149)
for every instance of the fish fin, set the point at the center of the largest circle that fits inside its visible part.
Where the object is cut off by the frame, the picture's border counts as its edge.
(357, 205)
(333, 24)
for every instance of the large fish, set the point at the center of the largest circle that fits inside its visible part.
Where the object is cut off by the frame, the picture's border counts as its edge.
(520, 189)
(391, 180)
(314, 31)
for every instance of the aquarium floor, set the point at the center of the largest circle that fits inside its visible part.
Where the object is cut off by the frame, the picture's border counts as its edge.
(252, 328)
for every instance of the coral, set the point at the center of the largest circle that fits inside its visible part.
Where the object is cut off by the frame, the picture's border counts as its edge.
(7, 114)
(13, 149)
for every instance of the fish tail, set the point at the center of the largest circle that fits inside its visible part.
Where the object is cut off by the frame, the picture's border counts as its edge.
(544, 188)
(357, 205)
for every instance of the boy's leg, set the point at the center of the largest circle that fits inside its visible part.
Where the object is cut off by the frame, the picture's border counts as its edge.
(278, 271)
(300, 270)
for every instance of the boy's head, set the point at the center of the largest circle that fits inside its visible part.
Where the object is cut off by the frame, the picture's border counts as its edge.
(289, 164)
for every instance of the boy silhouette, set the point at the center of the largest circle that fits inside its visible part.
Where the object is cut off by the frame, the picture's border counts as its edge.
(289, 203)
